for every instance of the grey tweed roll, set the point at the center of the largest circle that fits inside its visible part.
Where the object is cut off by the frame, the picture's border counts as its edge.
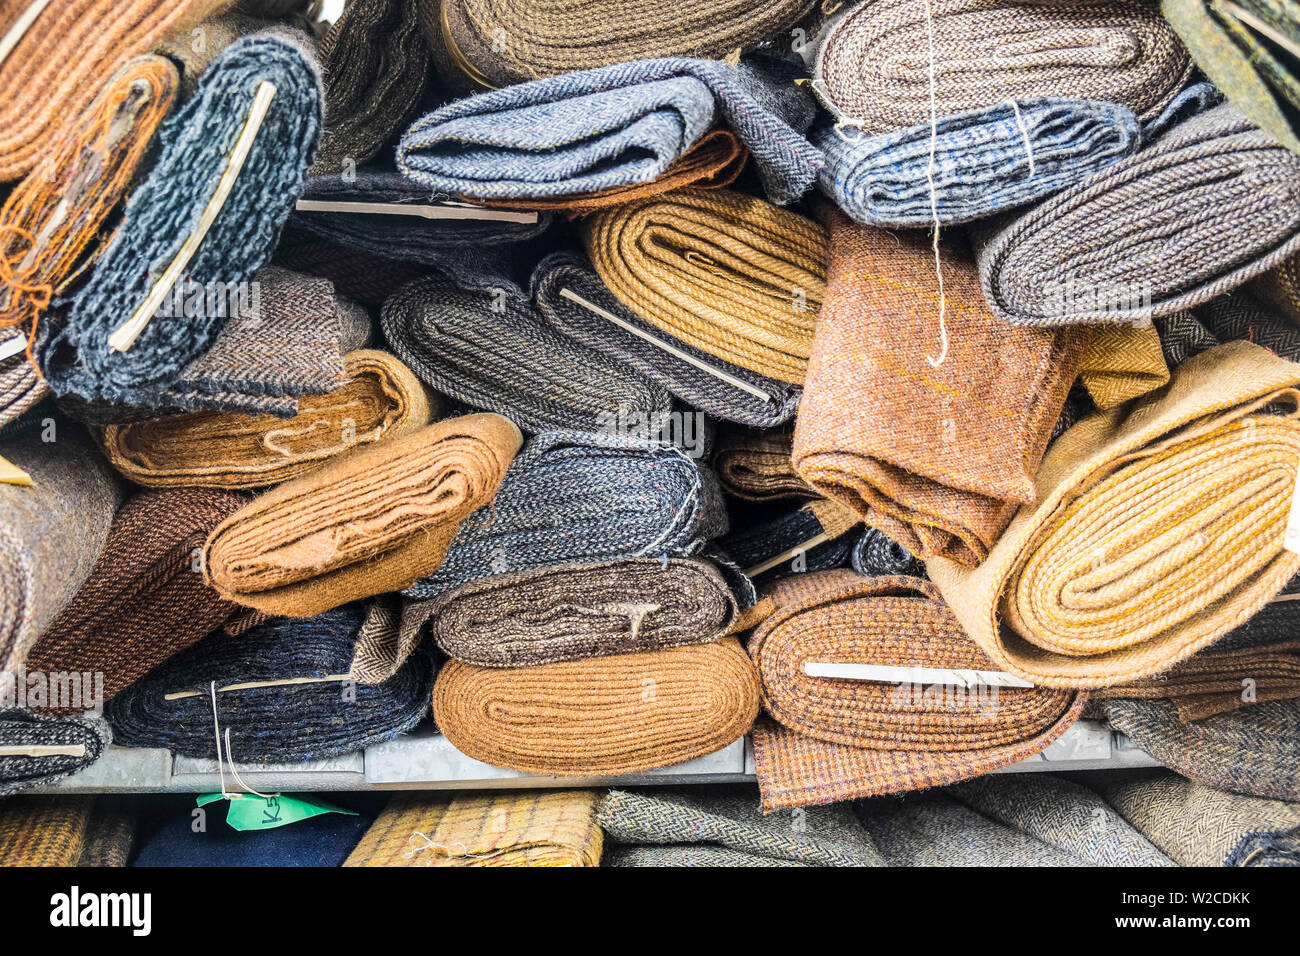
(875, 554)
(23, 728)
(1238, 315)
(1209, 205)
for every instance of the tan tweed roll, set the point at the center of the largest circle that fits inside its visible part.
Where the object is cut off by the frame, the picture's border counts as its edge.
(1122, 362)
(756, 466)
(732, 275)
(375, 520)
(874, 65)
(382, 400)
(607, 715)
(1152, 534)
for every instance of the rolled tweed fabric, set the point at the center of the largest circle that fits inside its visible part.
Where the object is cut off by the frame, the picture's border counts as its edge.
(84, 735)
(382, 400)
(569, 295)
(756, 466)
(50, 532)
(731, 275)
(937, 456)
(377, 66)
(1121, 363)
(145, 600)
(110, 834)
(165, 209)
(572, 612)
(681, 820)
(874, 67)
(1200, 826)
(362, 276)
(1225, 319)
(546, 39)
(1280, 289)
(375, 520)
(1097, 253)
(44, 831)
(526, 828)
(295, 711)
(65, 58)
(613, 498)
(1184, 478)
(874, 555)
(815, 537)
(611, 128)
(604, 716)
(843, 739)
(490, 350)
(22, 386)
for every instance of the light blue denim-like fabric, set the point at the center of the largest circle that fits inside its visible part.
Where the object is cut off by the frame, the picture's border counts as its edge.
(617, 125)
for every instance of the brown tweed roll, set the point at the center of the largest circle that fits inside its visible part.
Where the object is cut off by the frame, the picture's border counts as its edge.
(730, 274)
(375, 520)
(1121, 363)
(935, 456)
(874, 65)
(1156, 528)
(44, 831)
(756, 466)
(382, 400)
(145, 599)
(604, 716)
(1280, 288)
(572, 612)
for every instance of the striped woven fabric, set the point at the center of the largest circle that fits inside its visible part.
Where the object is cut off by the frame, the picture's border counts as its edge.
(84, 737)
(756, 465)
(110, 835)
(44, 831)
(526, 828)
(874, 554)
(1155, 530)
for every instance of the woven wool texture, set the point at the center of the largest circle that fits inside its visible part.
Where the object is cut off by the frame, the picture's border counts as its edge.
(1122, 362)
(572, 612)
(755, 465)
(528, 828)
(896, 738)
(937, 457)
(164, 209)
(1154, 531)
(1200, 826)
(1209, 205)
(726, 817)
(874, 65)
(26, 728)
(603, 716)
(110, 834)
(821, 534)
(1280, 289)
(362, 276)
(730, 274)
(286, 722)
(145, 600)
(372, 521)
(64, 61)
(543, 39)
(382, 400)
(50, 533)
(22, 386)
(193, 51)
(612, 497)
(613, 127)
(874, 555)
(377, 66)
(1226, 319)
(44, 831)
(491, 350)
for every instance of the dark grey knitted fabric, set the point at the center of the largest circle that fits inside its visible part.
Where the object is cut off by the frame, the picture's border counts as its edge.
(1237, 315)
(875, 554)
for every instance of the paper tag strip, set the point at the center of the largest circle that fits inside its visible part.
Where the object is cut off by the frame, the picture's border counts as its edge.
(785, 556)
(12, 347)
(11, 474)
(44, 750)
(251, 685)
(891, 674)
(438, 211)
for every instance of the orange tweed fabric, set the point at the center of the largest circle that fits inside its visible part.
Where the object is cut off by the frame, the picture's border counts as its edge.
(43, 831)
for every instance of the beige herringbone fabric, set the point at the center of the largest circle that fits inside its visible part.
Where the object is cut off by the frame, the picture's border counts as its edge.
(1156, 529)
(1123, 362)
(755, 465)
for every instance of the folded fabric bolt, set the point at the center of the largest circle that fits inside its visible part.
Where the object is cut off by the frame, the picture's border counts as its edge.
(815, 537)
(1225, 319)
(1237, 45)
(756, 466)
(874, 555)
(1207, 206)
(611, 128)
(1200, 826)
(935, 453)
(163, 211)
(281, 693)
(526, 828)
(145, 600)
(361, 276)
(680, 820)
(376, 65)
(575, 497)
(1121, 363)
(63, 745)
(412, 227)
(498, 42)
(570, 297)
(1279, 287)
(836, 739)
(44, 831)
(730, 274)
(491, 350)
(1061, 813)
(572, 612)
(375, 520)
(110, 834)
(22, 386)
(382, 400)
(876, 66)
(65, 58)
(603, 716)
(1154, 530)
(51, 531)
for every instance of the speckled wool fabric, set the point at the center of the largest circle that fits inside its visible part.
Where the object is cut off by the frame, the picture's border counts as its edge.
(875, 554)
(757, 544)
(21, 727)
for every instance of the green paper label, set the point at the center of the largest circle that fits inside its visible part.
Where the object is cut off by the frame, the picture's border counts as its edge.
(250, 812)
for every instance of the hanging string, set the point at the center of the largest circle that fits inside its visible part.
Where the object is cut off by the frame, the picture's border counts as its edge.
(1029, 147)
(934, 204)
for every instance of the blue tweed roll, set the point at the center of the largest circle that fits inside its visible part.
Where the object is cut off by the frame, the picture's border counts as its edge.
(165, 209)
(574, 497)
(612, 126)
(757, 543)
(282, 723)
